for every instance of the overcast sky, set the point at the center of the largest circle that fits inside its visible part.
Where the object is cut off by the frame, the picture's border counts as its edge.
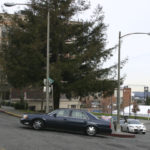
(127, 16)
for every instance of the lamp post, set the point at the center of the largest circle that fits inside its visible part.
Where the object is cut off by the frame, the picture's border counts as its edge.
(118, 90)
(48, 45)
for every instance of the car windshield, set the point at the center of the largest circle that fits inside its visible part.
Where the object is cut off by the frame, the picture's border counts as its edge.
(93, 115)
(134, 122)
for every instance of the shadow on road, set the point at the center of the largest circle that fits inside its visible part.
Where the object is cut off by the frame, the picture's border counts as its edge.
(64, 132)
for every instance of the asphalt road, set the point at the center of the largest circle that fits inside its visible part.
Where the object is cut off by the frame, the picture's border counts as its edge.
(13, 136)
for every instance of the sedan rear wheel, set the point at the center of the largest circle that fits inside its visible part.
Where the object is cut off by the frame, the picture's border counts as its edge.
(38, 124)
(91, 130)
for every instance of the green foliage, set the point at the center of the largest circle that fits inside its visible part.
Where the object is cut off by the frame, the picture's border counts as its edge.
(79, 64)
(6, 103)
(131, 117)
(21, 105)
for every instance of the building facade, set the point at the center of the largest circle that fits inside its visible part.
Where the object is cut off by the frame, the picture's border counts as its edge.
(109, 103)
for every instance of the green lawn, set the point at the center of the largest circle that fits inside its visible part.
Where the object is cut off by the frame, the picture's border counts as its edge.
(131, 117)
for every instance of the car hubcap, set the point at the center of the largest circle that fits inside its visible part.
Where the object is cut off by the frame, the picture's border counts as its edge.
(37, 124)
(91, 130)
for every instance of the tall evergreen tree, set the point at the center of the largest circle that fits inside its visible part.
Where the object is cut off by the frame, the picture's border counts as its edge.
(76, 67)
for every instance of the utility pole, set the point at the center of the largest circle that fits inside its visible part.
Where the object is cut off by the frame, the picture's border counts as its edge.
(118, 91)
(48, 60)
(47, 63)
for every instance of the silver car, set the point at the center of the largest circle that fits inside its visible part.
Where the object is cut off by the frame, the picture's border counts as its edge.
(133, 126)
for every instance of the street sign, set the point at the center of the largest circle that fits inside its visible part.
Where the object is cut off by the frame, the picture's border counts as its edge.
(50, 81)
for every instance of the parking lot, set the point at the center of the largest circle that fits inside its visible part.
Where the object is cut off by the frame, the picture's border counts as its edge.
(13, 136)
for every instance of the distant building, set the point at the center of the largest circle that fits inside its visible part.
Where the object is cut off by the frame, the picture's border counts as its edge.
(109, 103)
(36, 99)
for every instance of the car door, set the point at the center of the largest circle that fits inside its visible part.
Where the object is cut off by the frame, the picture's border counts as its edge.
(77, 120)
(58, 119)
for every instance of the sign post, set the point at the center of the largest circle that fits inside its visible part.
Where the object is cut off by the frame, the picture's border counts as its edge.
(50, 88)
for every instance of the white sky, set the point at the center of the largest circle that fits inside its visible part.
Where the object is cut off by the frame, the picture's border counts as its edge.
(127, 16)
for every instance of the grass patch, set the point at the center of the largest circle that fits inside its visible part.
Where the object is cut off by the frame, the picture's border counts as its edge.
(121, 116)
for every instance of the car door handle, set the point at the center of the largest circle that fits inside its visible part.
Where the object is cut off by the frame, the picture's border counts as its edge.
(65, 119)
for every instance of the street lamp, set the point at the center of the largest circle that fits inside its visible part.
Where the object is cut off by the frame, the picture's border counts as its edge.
(48, 44)
(14, 4)
(118, 91)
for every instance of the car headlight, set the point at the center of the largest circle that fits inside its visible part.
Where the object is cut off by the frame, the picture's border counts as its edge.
(25, 116)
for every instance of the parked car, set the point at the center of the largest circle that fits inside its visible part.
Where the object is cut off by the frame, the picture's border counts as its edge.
(132, 125)
(68, 119)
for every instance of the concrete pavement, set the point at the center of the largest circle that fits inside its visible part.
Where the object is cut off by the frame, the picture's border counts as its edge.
(14, 136)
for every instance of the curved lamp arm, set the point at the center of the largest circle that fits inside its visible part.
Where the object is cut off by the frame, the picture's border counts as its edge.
(14, 4)
(134, 33)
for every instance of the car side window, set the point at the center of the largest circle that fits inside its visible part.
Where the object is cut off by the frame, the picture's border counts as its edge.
(52, 113)
(78, 115)
(63, 113)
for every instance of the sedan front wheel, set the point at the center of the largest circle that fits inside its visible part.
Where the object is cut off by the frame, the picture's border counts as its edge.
(38, 124)
(91, 130)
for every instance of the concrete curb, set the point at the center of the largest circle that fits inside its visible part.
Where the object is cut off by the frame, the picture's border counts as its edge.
(9, 113)
(123, 135)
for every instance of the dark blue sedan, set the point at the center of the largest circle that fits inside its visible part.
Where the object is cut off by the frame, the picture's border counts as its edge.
(68, 119)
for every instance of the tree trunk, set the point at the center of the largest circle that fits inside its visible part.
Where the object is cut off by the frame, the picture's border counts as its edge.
(56, 96)
(135, 115)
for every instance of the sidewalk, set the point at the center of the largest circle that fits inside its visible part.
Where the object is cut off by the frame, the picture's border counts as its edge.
(17, 113)
(11, 111)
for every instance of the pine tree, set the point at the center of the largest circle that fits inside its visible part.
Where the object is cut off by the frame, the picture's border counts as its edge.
(76, 67)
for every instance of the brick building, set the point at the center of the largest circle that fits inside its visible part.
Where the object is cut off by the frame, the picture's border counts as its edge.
(108, 104)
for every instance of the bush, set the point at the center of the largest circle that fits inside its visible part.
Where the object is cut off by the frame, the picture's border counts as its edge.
(6, 103)
(20, 105)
